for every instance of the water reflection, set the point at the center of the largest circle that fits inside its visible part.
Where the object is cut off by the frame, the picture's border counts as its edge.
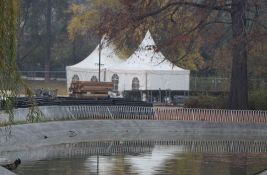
(183, 157)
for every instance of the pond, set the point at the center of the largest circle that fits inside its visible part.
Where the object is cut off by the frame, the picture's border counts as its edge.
(146, 157)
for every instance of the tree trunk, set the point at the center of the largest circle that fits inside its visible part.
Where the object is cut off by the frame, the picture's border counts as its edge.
(238, 98)
(48, 39)
(74, 50)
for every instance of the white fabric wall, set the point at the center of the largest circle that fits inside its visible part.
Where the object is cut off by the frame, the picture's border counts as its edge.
(148, 80)
(84, 75)
(166, 81)
(151, 80)
(125, 79)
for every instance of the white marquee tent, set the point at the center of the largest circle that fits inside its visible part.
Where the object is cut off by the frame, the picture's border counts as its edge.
(89, 67)
(147, 69)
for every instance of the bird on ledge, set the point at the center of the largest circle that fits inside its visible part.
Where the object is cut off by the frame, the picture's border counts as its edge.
(12, 166)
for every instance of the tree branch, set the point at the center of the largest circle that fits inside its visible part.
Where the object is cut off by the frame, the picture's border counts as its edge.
(190, 4)
(21, 59)
(257, 22)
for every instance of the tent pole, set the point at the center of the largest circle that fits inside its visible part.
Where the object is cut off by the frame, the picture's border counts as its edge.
(105, 73)
(99, 62)
(146, 80)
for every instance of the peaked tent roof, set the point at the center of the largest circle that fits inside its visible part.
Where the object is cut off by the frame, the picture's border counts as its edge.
(146, 58)
(108, 57)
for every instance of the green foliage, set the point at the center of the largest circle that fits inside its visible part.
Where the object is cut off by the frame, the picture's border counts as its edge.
(206, 102)
(11, 83)
(258, 100)
(87, 17)
(32, 36)
(9, 77)
(34, 115)
(82, 20)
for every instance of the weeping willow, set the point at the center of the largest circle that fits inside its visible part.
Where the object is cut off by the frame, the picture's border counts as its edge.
(10, 79)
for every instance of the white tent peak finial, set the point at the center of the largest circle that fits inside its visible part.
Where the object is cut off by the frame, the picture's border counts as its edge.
(105, 40)
(147, 41)
(148, 34)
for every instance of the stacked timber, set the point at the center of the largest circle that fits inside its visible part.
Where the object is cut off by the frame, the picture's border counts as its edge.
(90, 89)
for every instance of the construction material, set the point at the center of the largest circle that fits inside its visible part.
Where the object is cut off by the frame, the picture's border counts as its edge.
(90, 89)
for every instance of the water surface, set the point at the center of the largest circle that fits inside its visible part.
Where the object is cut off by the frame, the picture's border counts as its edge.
(181, 157)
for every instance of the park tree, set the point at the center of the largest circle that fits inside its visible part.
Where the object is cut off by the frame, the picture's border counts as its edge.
(9, 77)
(11, 83)
(36, 34)
(48, 38)
(31, 34)
(36, 51)
(202, 27)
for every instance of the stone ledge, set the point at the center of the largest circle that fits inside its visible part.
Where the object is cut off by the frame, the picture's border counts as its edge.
(4, 171)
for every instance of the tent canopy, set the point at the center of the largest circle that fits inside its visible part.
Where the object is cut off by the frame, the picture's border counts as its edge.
(145, 69)
(87, 69)
(148, 68)
(147, 58)
(108, 57)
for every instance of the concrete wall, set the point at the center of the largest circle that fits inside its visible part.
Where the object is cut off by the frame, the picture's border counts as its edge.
(4, 171)
(46, 135)
(32, 135)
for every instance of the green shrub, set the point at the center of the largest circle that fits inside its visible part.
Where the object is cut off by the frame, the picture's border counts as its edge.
(258, 100)
(208, 102)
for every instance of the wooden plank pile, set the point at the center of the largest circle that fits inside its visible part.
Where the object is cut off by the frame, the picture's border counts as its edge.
(90, 89)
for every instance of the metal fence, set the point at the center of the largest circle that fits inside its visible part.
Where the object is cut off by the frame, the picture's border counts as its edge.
(209, 84)
(221, 84)
(39, 75)
(213, 115)
(197, 83)
(143, 113)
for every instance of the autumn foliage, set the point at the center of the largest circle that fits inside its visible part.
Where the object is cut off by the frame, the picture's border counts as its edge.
(211, 36)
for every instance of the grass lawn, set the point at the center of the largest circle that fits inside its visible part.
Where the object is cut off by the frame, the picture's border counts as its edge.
(61, 86)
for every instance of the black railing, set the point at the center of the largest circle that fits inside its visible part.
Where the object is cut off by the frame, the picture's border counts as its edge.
(197, 83)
